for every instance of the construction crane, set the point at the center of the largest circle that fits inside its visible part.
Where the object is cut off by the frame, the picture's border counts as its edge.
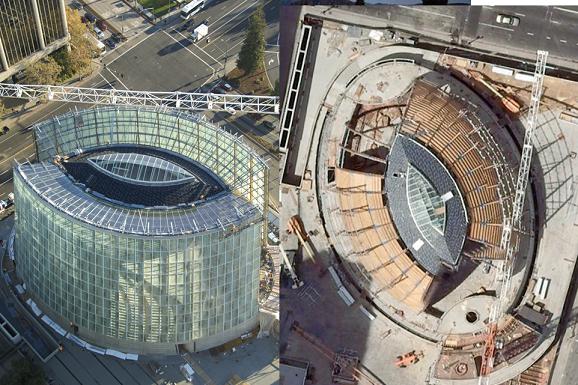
(296, 226)
(505, 274)
(328, 353)
(181, 100)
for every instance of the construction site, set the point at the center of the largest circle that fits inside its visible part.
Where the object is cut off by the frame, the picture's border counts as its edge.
(428, 222)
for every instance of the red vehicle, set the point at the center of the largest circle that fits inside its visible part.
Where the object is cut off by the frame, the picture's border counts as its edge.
(101, 25)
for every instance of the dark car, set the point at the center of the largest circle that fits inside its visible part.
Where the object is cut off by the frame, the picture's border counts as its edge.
(110, 43)
(90, 17)
(186, 25)
(101, 25)
(218, 90)
(117, 37)
(75, 5)
(5, 130)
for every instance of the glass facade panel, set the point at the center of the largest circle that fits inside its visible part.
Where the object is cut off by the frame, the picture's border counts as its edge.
(155, 289)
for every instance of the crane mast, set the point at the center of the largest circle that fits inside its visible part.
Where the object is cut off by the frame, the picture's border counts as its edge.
(505, 273)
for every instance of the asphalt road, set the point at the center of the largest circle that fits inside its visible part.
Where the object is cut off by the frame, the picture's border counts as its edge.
(548, 28)
(552, 28)
(167, 59)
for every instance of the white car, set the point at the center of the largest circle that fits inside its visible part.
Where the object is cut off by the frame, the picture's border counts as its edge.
(187, 371)
(99, 33)
(507, 19)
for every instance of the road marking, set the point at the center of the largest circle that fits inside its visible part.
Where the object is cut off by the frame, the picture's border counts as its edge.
(192, 53)
(229, 20)
(529, 33)
(563, 41)
(227, 31)
(566, 10)
(128, 50)
(424, 11)
(199, 47)
(120, 81)
(6, 181)
(555, 21)
(495, 26)
(519, 14)
(106, 80)
(267, 75)
(548, 37)
(14, 155)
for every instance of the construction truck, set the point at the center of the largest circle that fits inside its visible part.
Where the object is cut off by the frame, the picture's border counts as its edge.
(200, 32)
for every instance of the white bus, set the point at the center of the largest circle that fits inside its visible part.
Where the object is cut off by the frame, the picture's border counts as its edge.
(192, 8)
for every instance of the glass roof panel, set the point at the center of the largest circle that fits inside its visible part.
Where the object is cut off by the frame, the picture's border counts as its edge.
(427, 207)
(141, 168)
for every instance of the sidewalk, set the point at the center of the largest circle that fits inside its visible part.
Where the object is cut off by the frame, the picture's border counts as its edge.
(119, 16)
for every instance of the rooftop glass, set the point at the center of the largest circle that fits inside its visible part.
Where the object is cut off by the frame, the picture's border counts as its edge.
(140, 168)
(426, 206)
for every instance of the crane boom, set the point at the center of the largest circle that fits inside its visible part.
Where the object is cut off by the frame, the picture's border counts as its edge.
(505, 274)
(181, 100)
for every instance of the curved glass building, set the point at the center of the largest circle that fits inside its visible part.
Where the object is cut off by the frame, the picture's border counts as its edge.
(143, 228)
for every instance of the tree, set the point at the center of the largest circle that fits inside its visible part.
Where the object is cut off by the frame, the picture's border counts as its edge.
(23, 372)
(45, 71)
(253, 49)
(78, 60)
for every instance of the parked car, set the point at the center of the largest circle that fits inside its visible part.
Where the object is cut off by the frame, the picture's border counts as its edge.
(507, 19)
(75, 5)
(102, 25)
(226, 86)
(99, 33)
(186, 25)
(218, 90)
(90, 17)
(110, 43)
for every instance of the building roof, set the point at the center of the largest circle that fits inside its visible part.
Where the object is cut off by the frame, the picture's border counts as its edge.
(64, 194)
(426, 205)
(142, 176)
(293, 372)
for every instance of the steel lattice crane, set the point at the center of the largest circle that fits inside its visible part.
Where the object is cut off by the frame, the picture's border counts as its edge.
(505, 274)
(182, 100)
